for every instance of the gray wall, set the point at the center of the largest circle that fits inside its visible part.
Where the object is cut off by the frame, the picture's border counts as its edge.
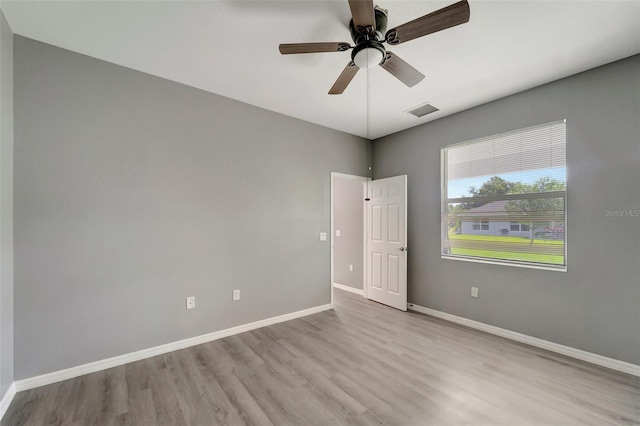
(348, 218)
(133, 192)
(595, 305)
(6, 205)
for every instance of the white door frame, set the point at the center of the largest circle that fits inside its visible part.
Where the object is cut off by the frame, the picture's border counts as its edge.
(364, 228)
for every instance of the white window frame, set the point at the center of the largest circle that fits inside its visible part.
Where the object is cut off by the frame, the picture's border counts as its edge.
(445, 213)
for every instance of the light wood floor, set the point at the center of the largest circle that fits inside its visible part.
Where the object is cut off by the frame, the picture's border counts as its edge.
(361, 364)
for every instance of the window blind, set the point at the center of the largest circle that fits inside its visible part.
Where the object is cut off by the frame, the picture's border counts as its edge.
(504, 197)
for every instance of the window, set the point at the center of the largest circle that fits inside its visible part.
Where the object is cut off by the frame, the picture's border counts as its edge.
(517, 226)
(503, 198)
(480, 225)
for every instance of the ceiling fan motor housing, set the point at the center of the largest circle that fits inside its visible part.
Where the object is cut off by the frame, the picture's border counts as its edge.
(369, 50)
(359, 35)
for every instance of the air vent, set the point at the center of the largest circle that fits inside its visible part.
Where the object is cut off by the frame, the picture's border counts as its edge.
(423, 110)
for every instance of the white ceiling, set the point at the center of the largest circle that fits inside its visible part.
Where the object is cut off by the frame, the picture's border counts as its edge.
(231, 48)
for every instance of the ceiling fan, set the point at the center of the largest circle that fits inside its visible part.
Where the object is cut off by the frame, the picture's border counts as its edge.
(367, 28)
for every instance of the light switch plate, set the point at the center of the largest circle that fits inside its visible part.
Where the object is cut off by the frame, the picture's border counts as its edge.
(191, 302)
(337, 232)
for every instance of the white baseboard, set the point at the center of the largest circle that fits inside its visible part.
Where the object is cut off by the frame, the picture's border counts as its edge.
(5, 402)
(69, 373)
(592, 358)
(350, 289)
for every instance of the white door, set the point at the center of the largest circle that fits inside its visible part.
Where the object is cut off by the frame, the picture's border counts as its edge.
(387, 242)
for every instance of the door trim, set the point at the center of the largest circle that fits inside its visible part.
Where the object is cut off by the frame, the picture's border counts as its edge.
(333, 232)
(365, 267)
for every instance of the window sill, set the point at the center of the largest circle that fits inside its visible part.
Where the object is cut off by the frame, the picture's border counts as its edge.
(560, 268)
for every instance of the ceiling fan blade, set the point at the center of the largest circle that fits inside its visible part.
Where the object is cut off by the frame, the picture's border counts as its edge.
(402, 70)
(344, 79)
(293, 48)
(364, 17)
(450, 16)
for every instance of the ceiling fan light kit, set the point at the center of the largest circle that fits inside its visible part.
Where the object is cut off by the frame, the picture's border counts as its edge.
(368, 54)
(367, 26)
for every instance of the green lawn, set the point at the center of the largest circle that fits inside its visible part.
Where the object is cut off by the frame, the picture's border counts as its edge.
(508, 248)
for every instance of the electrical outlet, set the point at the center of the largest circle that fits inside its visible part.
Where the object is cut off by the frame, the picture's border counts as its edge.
(191, 302)
(474, 291)
(323, 236)
(236, 294)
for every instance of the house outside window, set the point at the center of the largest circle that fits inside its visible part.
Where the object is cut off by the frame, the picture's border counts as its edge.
(503, 198)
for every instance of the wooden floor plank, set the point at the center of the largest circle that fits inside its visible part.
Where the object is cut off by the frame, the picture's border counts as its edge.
(245, 405)
(359, 364)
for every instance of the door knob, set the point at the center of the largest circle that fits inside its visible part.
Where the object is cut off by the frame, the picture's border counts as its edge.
(403, 249)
